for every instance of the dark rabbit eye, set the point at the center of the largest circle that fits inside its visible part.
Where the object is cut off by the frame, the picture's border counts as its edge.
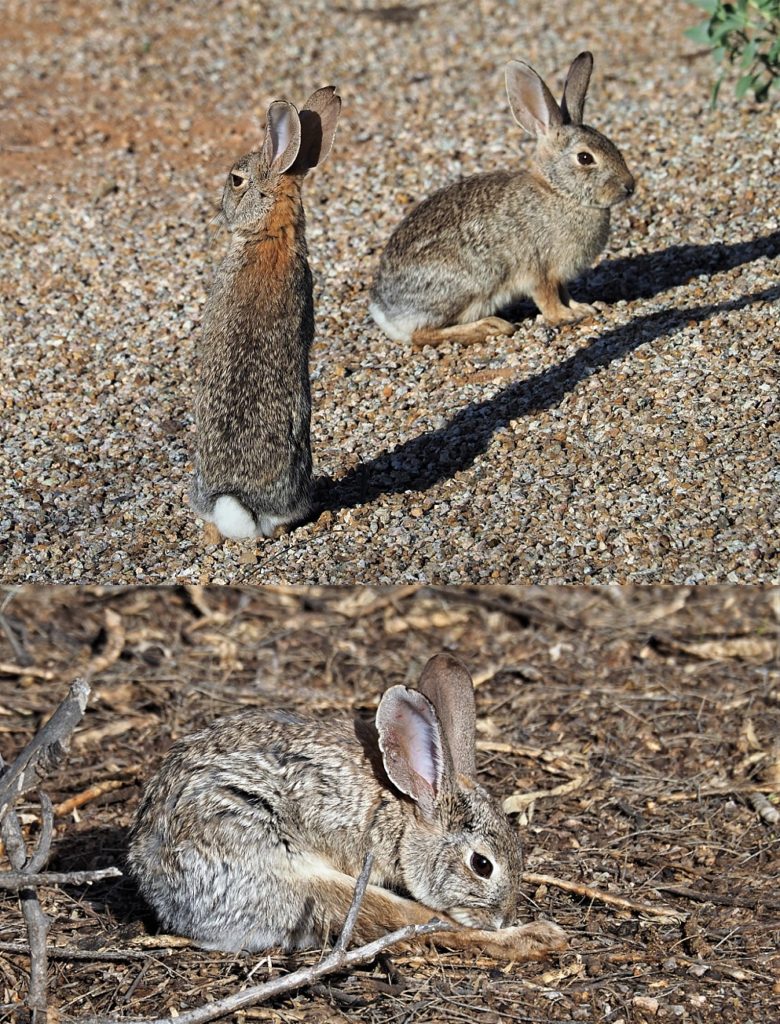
(237, 180)
(585, 158)
(481, 865)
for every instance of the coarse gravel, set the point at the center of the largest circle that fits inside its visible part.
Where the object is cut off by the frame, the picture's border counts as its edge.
(641, 445)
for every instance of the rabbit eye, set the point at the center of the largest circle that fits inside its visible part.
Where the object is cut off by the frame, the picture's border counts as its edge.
(481, 865)
(237, 180)
(585, 158)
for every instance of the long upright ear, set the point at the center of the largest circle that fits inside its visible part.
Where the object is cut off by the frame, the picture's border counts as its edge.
(446, 682)
(319, 118)
(282, 136)
(532, 103)
(412, 750)
(576, 87)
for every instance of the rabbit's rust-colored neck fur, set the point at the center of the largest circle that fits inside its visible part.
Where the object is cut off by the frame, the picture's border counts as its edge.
(268, 253)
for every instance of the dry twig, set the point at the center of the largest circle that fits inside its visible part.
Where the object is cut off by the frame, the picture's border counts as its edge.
(7, 668)
(46, 749)
(98, 790)
(603, 897)
(113, 647)
(15, 880)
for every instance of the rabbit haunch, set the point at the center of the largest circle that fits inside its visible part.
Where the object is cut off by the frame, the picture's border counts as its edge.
(483, 242)
(253, 405)
(253, 831)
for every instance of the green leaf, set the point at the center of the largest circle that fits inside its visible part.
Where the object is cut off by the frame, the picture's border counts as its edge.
(706, 5)
(745, 83)
(699, 33)
(748, 55)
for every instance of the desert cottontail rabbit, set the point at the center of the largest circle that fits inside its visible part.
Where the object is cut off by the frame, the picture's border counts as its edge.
(253, 831)
(482, 242)
(253, 406)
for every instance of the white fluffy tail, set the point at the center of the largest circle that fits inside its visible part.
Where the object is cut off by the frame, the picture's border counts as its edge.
(232, 519)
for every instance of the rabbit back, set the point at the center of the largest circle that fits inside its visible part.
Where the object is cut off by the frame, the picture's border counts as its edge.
(253, 405)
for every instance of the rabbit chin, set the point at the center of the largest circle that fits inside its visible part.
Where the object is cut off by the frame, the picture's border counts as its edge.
(471, 917)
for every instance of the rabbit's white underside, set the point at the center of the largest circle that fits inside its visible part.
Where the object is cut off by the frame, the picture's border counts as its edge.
(403, 326)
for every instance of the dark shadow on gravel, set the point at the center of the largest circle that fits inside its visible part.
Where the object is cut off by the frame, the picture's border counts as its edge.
(650, 273)
(437, 455)
(642, 277)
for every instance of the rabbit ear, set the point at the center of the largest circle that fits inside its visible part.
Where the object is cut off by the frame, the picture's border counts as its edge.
(319, 118)
(282, 136)
(573, 102)
(446, 683)
(532, 103)
(412, 750)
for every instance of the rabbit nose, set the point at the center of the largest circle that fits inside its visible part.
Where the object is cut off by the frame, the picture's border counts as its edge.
(629, 186)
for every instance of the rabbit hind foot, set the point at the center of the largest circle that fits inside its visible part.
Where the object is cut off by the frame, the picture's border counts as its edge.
(466, 334)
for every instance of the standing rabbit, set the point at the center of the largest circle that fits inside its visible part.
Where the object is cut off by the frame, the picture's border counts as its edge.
(253, 406)
(482, 242)
(253, 831)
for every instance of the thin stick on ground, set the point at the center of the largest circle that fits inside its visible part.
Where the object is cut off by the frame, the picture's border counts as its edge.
(46, 750)
(16, 880)
(603, 897)
(34, 918)
(85, 797)
(337, 960)
(354, 908)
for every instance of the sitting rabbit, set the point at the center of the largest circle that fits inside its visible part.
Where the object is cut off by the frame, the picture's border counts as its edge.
(483, 242)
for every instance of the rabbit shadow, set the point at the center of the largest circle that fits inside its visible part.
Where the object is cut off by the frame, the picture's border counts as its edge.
(646, 275)
(103, 847)
(425, 460)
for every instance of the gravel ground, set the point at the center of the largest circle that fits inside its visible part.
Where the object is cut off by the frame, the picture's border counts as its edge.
(637, 446)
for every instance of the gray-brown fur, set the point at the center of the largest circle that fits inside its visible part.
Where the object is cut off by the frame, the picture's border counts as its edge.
(252, 833)
(483, 242)
(253, 405)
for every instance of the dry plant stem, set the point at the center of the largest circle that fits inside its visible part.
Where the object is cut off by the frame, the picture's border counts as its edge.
(66, 953)
(99, 789)
(36, 921)
(7, 668)
(115, 644)
(16, 880)
(46, 749)
(357, 899)
(334, 962)
(39, 859)
(601, 897)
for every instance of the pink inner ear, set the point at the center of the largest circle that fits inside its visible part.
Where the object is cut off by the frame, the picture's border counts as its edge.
(422, 747)
(283, 135)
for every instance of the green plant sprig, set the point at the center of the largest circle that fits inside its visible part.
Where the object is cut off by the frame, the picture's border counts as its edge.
(746, 32)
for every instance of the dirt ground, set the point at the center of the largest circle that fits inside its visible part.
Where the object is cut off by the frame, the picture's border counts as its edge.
(644, 720)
